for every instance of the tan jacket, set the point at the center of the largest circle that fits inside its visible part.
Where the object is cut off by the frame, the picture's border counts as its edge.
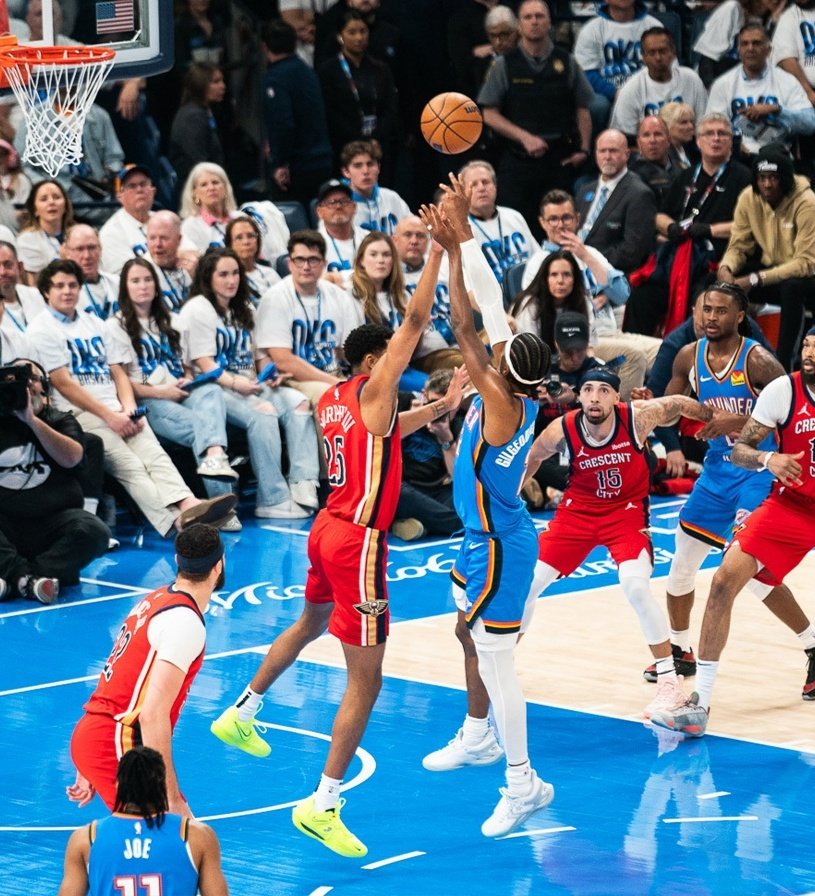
(785, 235)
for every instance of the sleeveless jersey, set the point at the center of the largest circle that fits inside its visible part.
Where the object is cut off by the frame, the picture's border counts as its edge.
(605, 478)
(123, 683)
(364, 470)
(487, 478)
(128, 857)
(797, 433)
(730, 390)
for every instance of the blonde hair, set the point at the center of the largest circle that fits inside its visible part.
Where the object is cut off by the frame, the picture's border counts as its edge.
(670, 112)
(188, 207)
(363, 288)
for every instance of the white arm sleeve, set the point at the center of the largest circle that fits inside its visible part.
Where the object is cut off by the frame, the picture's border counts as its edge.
(487, 292)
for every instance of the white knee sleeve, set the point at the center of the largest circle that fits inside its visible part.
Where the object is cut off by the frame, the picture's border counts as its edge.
(689, 555)
(544, 576)
(497, 670)
(761, 590)
(635, 577)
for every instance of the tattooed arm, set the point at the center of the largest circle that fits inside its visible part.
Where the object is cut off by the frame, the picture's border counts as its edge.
(551, 441)
(665, 410)
(784, 467)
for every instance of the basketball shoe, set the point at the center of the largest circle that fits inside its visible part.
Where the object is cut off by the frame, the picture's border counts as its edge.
(809, 685)
(684, 660)
(458, 754)
(327, 828)
(689, 719)
(228, 728)
(513, 810)
(39, 588)
(669, 696)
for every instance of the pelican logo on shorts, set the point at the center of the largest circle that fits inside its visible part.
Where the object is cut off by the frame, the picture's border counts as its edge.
(372, 607)
(737, 378)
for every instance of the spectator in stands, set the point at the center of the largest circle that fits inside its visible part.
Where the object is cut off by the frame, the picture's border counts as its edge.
(100, 290)
(207, 206)
(219, 323)
(336, 210)
(383, 35)
(13, 341)
(661, 81)
(652, 161)
(124, 234)
(718, 44)
(306, 36)
(144, 338)
(618, 209)
(537, 99)
(244, 237)
(775, 218)
(70, 345)
(378, 208)
(764, 102)
(200, 34)
(681, 123)
(468, 44)
(15, 187)
(174, 267)
(698, 210)
(502, 233)
(299, 151)
(20, 303)
(501, 27)
(49, 214)
(608, 50)
(302, 322)
(793, 44)
(358, 90)
(46, 537)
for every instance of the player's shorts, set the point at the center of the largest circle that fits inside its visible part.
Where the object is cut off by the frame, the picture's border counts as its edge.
(348, 567)
(496, 574)
(574, 533)
(97, 744)
(779, 535)
(721, 500)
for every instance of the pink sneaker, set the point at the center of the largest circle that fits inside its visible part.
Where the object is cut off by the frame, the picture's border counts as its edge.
(669, 697)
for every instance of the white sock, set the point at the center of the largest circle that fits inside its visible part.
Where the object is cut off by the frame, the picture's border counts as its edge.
(474, 730)
(327, 794)
(705, 679)
(807, 637)
(681, 639)
(519, 778)
(91, 505)
(248, 704)
(666, 670)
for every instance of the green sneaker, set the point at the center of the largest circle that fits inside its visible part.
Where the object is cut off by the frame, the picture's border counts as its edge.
(239, 734)
(328, 829)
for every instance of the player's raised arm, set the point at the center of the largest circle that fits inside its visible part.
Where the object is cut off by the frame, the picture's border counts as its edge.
(664, 411)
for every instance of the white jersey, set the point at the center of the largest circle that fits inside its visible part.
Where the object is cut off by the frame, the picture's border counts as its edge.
(18, 315)
(340, 254)
(794, 38)
(36, 248)
(100, 298)
(505, 239)
(79, 345)
(642, 96)
(719, 37)
(733, 92)
(382, 212)
(122, 237)
(612, 48)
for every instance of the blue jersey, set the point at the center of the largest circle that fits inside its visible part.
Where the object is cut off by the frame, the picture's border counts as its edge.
(729, 390)
(127, 856)
(487, 479)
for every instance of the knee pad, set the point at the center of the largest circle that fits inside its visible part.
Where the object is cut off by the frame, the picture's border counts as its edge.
(689, 555)
(635, 578)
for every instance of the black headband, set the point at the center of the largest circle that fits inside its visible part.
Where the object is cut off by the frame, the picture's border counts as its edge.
(601, 375)
(199, 564)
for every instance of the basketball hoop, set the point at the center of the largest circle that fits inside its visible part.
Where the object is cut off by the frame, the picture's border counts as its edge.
(55, 87)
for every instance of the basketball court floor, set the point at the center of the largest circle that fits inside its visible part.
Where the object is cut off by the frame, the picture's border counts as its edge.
(633, 813)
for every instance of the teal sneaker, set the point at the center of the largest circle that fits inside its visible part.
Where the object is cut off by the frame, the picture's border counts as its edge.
(228, 728)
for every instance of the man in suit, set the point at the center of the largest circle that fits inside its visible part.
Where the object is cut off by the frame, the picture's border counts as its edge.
(618, 209)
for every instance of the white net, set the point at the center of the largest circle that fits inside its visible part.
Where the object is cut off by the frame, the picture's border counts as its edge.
(55, 87)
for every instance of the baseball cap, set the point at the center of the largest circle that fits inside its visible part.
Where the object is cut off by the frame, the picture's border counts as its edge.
(773, 159)
(571, 330)
(129, 170)
(330, 186)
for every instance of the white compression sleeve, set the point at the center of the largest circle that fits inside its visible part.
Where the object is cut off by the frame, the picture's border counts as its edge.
(487, 292)
(497, 670)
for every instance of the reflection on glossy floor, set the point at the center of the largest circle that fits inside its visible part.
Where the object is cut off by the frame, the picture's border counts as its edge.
(632, 814)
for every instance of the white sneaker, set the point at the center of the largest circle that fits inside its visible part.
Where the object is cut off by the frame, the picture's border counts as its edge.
(669, 697)
(513, 811)
(408, 529)
(304, 493)
(458, 754)
(217, 467)
(231, 524)
(286, 510)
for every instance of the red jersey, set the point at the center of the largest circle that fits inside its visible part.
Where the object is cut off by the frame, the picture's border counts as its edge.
(615, 473)
(123, 682)
(797, 433)
(364, 470)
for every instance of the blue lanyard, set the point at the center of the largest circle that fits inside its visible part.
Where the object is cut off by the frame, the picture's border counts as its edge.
(96, 308)
(484, 233)
(337, 248)
(20, 327)
(318, 318)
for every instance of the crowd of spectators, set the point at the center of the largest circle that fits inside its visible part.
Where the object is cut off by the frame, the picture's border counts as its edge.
(630, 156)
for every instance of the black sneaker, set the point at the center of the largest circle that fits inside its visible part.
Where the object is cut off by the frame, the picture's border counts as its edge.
(809, 685)
(685, 663)
(44, 590)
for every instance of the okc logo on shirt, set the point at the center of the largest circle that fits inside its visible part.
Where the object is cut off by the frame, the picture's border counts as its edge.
(808, 36)
(622, 59)
(88, 358)
(315, 342)
(383, 224)
(739, 104)
(502, 255)
(653, 108)
(153, 353)
(233, 348)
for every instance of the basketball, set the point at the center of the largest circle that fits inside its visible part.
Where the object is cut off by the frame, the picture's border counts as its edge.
(451, 123)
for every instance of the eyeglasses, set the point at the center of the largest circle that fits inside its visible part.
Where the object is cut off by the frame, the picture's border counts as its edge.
(723, 134)
(301, 261)
(495, 35)
(553, 220)
(337, 203)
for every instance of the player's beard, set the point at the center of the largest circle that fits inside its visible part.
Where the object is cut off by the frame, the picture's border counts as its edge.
(808, 379)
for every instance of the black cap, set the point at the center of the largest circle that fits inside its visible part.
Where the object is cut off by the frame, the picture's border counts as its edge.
(331, 186)
(601, 374)
(129, 170)
(571, 330)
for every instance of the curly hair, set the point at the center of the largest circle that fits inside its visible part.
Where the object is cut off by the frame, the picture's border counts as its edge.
(141, 782)
(158, 310)
(240, 305)
(363, 288)
(367, 339)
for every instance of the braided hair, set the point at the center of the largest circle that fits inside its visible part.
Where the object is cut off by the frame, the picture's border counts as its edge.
(528, 360)
(141, 782)
(735, 292)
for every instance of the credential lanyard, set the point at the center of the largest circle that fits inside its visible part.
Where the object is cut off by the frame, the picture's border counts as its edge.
(691, 189)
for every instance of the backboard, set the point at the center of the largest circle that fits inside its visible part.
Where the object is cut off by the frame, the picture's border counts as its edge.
(140, 31)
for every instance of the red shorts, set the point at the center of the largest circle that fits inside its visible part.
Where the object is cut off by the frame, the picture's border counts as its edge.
(348, 567)
(779, 535)
(573, 534)
(97, 744)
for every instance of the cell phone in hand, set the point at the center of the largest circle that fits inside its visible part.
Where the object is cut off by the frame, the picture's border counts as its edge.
(141, 411)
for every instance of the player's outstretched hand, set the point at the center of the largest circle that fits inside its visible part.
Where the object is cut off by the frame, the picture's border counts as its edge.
(438, 226)
(456, 202)
(81, 791)
(455, 391)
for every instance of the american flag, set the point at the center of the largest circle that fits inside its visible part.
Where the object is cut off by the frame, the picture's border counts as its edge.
(114, 15)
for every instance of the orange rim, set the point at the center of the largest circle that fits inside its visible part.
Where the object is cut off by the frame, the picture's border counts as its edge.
(55, 55)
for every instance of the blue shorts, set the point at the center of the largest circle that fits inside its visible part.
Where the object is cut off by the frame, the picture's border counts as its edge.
(496, 573)
(722, 499)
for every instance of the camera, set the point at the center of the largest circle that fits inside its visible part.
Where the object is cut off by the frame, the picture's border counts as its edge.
(553, 386)
(14, 382)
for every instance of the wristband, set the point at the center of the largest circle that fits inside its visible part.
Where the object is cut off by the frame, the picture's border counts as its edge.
(445, 446)
(766, 461)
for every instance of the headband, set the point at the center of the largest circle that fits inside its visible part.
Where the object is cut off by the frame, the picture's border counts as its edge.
(199, 564)
(508, 359)
(601, 375)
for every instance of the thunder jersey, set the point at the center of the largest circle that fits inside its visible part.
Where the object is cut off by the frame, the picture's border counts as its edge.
(127, 857)
(606, 477)
(797, 433)
(364, 470)
(487, 478)
(123, 683)
(728, 390)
